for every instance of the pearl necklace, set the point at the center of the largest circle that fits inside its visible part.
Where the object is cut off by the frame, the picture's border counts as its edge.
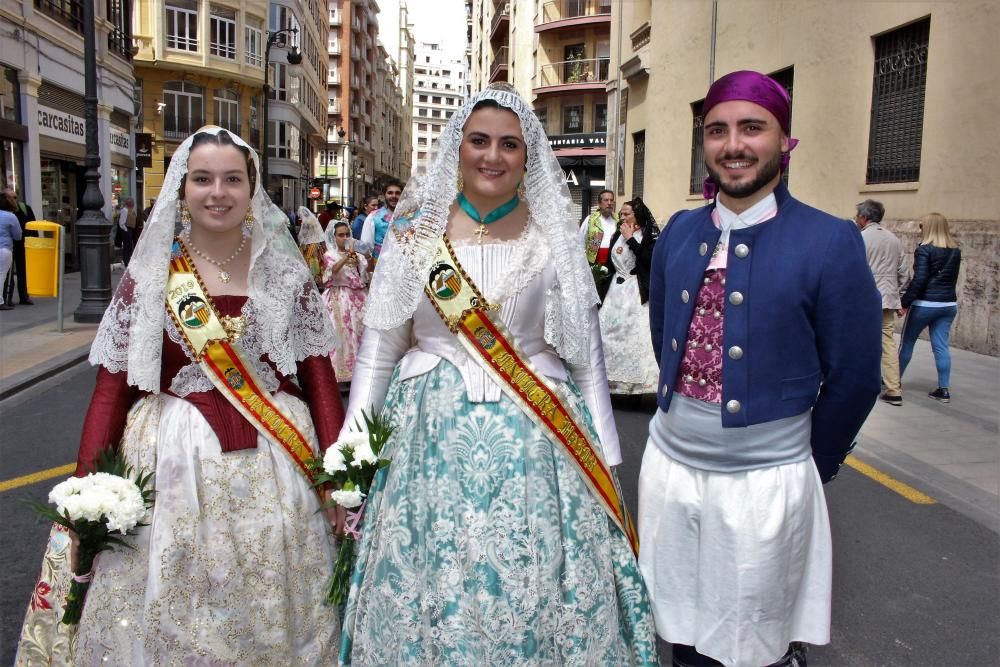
(223, 274)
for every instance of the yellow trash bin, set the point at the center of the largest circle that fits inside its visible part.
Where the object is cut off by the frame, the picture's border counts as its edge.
(41, 257)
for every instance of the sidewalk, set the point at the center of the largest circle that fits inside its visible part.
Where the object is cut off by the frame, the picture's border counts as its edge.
(949, 451)
(30, 347)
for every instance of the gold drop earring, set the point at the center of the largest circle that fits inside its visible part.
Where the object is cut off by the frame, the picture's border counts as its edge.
(461, 181)
(248, 223)
(185, 219)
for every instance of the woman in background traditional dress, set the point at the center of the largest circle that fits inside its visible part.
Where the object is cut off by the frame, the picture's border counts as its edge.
(345, 283)
(628, 350)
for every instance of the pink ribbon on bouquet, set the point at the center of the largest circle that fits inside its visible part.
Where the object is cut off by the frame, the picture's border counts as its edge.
(83, 578)
(353, 519)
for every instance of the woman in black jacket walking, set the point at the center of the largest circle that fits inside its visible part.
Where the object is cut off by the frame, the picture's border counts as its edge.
(628, 348)
(930, 299)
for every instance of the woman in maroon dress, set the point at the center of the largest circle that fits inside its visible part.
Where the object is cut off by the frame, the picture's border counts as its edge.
(233, 566)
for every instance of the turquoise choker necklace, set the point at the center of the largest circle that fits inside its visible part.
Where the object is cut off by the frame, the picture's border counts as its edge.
(491, 217)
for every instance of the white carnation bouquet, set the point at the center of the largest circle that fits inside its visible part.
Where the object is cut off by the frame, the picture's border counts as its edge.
(349, 467)
(97, 508)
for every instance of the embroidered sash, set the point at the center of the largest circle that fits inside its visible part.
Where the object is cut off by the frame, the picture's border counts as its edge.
(224, 362)
(467, 314)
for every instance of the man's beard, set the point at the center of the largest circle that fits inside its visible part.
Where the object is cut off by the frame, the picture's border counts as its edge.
(766, 174)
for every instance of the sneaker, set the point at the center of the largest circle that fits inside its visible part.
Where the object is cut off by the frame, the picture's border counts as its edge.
(892, 400)
(941, 394)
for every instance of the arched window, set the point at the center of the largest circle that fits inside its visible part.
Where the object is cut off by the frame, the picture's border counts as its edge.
(227, 110)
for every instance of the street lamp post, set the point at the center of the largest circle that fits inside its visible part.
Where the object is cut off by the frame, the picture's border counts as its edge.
(93, 229)
(294, 58)
(344, 200)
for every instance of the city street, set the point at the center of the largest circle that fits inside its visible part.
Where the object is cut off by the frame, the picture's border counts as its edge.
(915, 584)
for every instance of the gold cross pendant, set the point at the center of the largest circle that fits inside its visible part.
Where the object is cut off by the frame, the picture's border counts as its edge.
(481, 232)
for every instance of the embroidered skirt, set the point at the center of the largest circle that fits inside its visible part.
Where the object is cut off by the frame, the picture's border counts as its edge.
(232, 569)
(628, 348)
(482, 546)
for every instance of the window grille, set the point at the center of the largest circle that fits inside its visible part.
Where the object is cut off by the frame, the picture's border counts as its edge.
(638, 163)
(223, 33)
(698, 171)
(182, 26)
(899, 84)
(255, 120)
(185, 109)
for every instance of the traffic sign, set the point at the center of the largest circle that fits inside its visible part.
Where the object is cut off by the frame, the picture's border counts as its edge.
(315, 193)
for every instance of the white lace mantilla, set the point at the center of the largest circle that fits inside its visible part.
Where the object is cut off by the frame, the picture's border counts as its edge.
(290, 322)
(422, 214)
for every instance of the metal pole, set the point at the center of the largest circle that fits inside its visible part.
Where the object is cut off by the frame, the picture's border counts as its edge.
(265, 104)
(93, 229)
(60, 281)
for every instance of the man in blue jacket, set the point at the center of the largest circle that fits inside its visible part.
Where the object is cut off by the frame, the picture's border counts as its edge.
(765, 322)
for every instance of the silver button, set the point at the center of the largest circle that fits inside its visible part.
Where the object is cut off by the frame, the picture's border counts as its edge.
(701, 311)
(665, 391)
(701, 382)
(685, 296)
(736, 352)
(706, 281)
(693, 344)
(742, 250)
(702, 249)
(716, 314)
(723, 281)
(733, 406)
(708, 347)
(736, 298)
(673, 344)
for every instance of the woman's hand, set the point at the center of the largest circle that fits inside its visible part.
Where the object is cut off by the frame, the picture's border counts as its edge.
(335, 514)
(627, 229)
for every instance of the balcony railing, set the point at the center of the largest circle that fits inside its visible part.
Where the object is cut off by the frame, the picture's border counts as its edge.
(570, 72)
(333, 48)
(500, 63)
(502, 14)
(333, 77)
(67, 12)
(333, 108)
(557, 10)
(335, 17)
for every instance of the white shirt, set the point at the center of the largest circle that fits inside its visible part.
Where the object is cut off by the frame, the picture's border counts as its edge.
(123, 218)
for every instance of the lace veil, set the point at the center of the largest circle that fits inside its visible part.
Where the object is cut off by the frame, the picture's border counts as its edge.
(290, 320)
(423, 209)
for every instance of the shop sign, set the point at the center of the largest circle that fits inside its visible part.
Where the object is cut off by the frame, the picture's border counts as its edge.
(143, 150)
(61, 125)
(589, 140)
(120, 141)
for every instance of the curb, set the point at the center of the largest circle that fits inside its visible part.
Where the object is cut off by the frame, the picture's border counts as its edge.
(26, 379)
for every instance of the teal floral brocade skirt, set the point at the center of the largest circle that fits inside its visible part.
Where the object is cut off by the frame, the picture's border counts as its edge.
(482, 545)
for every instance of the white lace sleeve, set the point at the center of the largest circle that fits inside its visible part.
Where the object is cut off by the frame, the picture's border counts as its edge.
(377, 358)
(592, 379)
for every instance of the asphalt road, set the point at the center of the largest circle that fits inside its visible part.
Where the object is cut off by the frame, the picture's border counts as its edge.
(914, 585)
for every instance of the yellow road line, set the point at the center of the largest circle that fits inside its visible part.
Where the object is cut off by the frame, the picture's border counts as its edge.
(39, 476)
(901, 488)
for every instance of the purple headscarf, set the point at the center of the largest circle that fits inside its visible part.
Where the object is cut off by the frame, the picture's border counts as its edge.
(749, 86)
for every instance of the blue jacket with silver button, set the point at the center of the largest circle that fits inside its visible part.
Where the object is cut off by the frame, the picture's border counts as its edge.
(802, 320)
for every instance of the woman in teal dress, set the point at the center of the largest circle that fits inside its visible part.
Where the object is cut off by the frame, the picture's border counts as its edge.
(482, 542)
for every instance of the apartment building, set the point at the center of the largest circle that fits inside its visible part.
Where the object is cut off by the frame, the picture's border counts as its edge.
(42, 125)
(368, 98)
(439, 90)
(200, 63)
(557, 54)
(889, 102)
